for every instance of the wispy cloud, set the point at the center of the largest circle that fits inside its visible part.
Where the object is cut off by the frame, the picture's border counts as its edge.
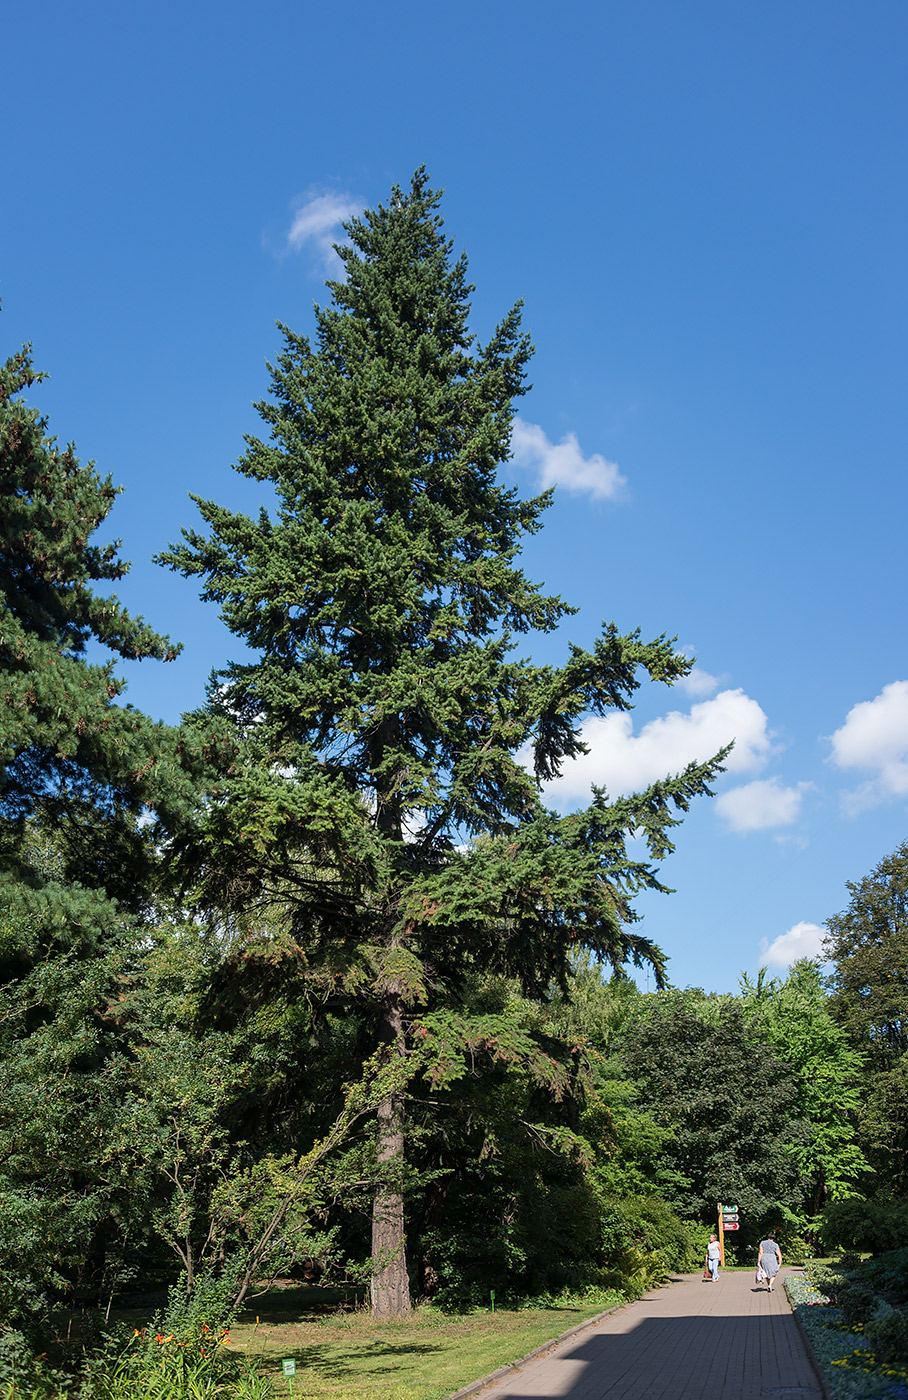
(802, 940)
(625, 762)
(874, 740)
(760, 805)
(317, 223)
(563, 463)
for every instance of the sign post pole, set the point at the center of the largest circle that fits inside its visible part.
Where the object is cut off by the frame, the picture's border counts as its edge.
(721, 1237)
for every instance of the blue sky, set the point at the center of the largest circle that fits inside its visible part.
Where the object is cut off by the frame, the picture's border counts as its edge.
(703, 207)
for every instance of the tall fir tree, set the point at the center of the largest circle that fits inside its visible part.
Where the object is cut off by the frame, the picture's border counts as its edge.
(394, 748)
(77, 767)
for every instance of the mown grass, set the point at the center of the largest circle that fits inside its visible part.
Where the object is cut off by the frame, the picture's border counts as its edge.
(346, 1356)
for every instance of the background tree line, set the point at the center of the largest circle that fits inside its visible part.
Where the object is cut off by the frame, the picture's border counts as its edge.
(315, 980)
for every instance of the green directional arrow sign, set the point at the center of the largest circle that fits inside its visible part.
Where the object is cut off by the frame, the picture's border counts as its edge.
(729, 1210)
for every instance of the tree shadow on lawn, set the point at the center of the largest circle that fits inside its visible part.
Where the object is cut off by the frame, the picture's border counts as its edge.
(342, 1362)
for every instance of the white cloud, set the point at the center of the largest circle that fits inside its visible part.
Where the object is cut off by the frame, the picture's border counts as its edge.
(699, 683)
(563, 463)
(624, 762)
(802, 940)
(316, 224)
(759, 805)
(874, 738)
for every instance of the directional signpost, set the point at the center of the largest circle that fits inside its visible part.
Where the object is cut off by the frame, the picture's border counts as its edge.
(728, 1220)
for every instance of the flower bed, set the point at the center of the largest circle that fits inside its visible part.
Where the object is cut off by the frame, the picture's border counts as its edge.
(850, 1367)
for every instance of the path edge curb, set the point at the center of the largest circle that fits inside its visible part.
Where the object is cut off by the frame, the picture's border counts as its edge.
(476, 1386)
(808, 1345)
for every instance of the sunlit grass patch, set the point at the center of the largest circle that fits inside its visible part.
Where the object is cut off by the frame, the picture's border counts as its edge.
(347, 1356)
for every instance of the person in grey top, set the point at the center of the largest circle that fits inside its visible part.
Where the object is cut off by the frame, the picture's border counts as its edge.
(769, 1259)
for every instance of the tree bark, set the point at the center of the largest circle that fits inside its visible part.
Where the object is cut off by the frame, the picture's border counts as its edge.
(390, 1285)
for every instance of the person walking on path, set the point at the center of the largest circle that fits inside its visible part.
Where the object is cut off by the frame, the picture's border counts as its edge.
(713, 1255)
(769, 1259)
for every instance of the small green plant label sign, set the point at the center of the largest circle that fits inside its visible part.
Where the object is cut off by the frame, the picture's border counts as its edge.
(289, 1366)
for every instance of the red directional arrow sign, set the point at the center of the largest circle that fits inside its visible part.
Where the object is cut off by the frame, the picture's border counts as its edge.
(730, 1225)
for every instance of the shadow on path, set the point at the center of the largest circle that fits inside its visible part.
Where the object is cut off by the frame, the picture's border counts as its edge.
(673, 1358)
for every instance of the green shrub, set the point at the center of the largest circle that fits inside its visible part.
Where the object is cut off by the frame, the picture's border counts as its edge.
(888, 1336)
(649, 1224)
(21, 1372)
(888, 1275)
(795, 1249)
(632, 1271)
(172, 1373)
(865, 1225)
(827, 1281)
(182, 1355)
(856, 1303)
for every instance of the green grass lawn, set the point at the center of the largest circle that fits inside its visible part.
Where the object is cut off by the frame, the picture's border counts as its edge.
(345, 1356)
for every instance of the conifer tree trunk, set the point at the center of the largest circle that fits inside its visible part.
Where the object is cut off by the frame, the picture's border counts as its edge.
(390, 1286)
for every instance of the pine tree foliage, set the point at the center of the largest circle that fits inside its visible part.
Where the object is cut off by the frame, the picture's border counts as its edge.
(73, 760)
(394, 741)
(77, 767)
(385, 705)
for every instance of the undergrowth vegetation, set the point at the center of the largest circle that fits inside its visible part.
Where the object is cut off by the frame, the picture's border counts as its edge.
(858, 1334)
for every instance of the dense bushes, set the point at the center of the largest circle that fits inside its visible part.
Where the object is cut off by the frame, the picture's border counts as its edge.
(870, 1226)
(652, 1226)
(857, 1304)
(888, 1336)
(888, 1275)
(864, 1297)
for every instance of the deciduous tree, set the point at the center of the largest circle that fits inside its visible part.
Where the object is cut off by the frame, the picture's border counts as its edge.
(794, 1018)
(731, 1105)
(868, 946)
